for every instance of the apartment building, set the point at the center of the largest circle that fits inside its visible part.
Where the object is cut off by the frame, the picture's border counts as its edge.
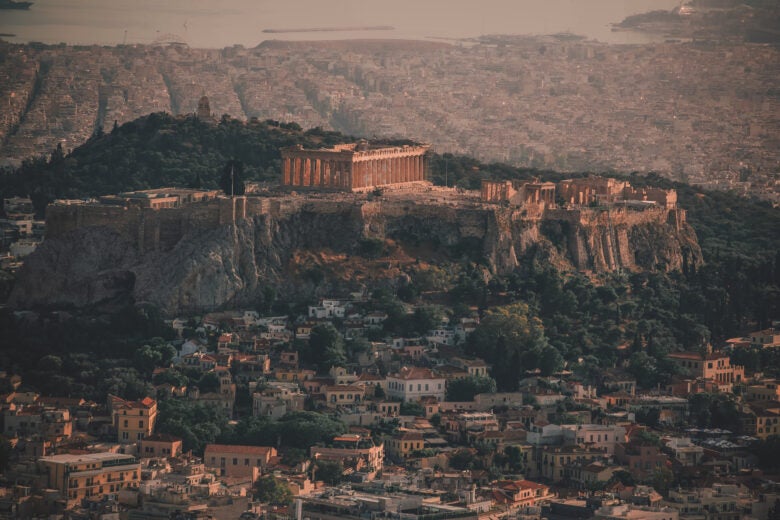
(90, 475)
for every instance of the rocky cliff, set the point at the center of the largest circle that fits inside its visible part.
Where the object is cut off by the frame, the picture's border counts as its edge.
(306, 247)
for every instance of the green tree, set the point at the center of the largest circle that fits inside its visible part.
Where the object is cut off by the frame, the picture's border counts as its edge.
(5, 453)
(767, 452)
(624, 477)
(305, 429)
(208, 383)
(425, 318)
(463, 459)
(410, 408)
(330, 472)
(232, 178)
(325, 347)
(196, 423)
(714, 410)
(466, 388)
(271, 490)
(512, 340)
(662, 480)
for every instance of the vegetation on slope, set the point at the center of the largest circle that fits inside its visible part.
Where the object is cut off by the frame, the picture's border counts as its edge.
(535, 317)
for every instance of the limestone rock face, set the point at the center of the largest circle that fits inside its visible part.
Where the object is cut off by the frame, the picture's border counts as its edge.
(227, 264)
(84, 267)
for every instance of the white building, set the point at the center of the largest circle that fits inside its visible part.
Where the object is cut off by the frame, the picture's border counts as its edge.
(685, 451)
(543, 433)
(412, 383)
(599, 436)
(441, 337)
(632, 512)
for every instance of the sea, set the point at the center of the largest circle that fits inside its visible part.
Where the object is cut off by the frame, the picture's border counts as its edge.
(224, 23)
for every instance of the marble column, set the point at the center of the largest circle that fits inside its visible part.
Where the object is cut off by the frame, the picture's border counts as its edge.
(298, 176)
(286, 171)
(306, 173)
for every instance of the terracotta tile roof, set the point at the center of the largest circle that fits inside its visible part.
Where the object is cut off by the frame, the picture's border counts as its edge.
(407, 373)
(161, 437)
(518, 485)
(238, 449)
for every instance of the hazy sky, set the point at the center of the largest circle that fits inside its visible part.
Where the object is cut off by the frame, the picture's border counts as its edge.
(216, 23)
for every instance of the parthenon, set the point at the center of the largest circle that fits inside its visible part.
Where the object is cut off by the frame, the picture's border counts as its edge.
(353, 167)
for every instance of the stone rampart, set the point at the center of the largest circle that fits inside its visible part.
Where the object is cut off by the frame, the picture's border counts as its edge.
(148, 229)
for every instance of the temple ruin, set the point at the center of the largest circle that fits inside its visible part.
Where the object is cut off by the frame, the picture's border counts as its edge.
(353, 167)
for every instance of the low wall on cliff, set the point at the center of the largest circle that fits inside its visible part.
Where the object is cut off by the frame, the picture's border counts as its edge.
(207, 255)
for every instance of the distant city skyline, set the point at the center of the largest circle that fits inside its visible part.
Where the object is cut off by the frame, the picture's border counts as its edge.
(212, 24)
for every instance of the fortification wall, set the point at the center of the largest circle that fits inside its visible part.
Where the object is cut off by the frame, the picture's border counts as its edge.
(148, 229)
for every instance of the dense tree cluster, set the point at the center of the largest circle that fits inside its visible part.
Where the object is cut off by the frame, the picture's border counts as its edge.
(534, 318)
(162, 150)
(512, 339)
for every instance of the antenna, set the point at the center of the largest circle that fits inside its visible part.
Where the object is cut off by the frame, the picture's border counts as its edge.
(231, 181)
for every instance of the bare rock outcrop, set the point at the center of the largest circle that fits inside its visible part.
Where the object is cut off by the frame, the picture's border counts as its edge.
(212, 264)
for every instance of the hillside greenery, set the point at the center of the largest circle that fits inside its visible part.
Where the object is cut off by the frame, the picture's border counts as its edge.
(533, 318)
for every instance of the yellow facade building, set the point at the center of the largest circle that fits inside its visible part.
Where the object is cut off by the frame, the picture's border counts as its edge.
(91, 475)
(133, 420)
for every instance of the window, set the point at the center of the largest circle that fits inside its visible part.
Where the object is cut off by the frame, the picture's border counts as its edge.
(140, 424)
(235, 461)
(246, 462)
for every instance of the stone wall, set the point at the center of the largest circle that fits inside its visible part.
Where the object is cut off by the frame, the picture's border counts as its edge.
(208, 255)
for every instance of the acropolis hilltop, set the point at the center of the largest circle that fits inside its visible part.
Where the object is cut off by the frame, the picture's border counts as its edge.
(372, 189)
(353, 167)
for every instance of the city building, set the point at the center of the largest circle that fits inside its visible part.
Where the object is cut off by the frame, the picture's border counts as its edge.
(520, 493)
(90, 475)
(352, 167)
(714, 366)
(642, 460)
(356, 450)
(767, 338)
(402, 444)
(632, 512)
(133, 420)
(160, 445)
(238, 461)
(518, 193)
(766, 390)
(412, 383)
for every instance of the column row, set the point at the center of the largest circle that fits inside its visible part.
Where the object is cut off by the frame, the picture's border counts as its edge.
(380, 172)
(344, 174)
(312, 172)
